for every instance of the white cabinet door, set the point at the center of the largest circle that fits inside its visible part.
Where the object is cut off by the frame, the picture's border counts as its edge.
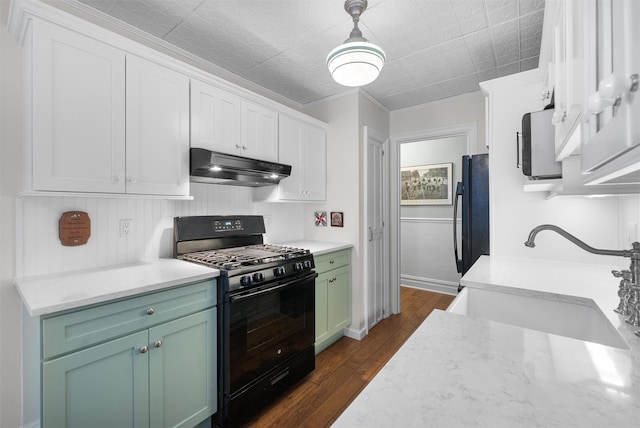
(259, 136)
(314, 161)
(215, 119)
(303, 146)
(568, 70)
(157, 129)
(611, 128)
(290, 153)
(78, 103)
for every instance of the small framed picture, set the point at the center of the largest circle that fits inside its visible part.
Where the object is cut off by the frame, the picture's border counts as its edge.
(337, 219)
(320, 218)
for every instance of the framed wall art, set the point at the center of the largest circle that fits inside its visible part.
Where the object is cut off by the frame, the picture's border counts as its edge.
(426, 184)
(337, 219)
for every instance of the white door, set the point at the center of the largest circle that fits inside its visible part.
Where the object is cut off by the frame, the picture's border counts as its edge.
(377, 242)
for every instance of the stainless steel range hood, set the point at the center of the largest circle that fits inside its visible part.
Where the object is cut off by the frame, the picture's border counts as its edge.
(220, 168)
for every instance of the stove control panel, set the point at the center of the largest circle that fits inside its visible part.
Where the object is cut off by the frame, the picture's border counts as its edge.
(227, 225)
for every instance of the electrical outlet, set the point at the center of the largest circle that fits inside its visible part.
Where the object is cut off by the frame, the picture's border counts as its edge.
(126, 227)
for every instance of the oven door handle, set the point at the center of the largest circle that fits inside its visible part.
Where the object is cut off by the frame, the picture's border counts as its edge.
(241, 297)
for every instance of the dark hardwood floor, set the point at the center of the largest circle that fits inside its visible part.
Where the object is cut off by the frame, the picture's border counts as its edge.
(345, 368)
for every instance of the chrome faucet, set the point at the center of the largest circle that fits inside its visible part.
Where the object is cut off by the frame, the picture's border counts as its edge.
(630, 292)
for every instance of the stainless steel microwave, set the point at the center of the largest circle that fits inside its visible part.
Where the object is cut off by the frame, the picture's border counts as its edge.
(537, 154)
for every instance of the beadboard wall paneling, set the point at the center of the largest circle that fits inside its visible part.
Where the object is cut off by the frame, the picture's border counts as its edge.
(426, 246)
(41, 252)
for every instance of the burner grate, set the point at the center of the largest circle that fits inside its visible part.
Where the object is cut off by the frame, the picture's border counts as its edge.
(234, 258)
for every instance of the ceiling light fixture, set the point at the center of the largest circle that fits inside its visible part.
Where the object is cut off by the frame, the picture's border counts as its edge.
(356, 62)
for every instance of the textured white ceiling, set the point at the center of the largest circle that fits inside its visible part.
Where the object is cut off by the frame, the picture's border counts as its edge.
(435, 48)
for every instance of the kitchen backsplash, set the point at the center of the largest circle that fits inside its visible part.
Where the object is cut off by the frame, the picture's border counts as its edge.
(40, 250)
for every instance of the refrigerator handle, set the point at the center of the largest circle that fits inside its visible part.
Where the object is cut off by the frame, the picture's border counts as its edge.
(455, 228)
(518, 163)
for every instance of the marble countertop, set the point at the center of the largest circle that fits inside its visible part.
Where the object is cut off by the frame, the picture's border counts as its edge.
(318, 248)
(457, 371)
(46, 294)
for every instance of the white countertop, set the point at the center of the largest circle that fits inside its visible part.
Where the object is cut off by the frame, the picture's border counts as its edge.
(46, 294)
(318, 248)
(457, 371)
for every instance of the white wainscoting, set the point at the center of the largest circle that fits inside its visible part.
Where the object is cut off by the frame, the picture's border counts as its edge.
(426, 254)
(39, 250)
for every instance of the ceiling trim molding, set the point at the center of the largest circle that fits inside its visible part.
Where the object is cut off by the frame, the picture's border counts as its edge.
(371, 98)
(332, 97)
(512, 81)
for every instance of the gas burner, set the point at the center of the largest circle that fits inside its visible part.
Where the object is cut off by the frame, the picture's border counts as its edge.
(234, 258)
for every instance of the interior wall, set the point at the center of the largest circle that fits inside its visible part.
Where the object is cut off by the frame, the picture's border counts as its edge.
(515, 212)
(11, 105)
(450, 112)
(343, 181)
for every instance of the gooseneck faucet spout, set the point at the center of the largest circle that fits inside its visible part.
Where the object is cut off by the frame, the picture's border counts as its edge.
(619, 253)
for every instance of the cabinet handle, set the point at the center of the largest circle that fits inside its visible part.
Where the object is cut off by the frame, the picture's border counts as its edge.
(238, 146)
(151, 311)
(331, 262)
(332, 279)
(117, 178)
(144, 349)
(132, 180)
(157, 343)
(244, 147)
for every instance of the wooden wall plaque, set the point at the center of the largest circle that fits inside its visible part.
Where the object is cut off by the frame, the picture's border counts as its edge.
(75, 228)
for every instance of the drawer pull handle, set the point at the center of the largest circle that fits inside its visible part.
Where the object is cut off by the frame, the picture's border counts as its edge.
(331, 262)
(144, 349)
(151, 311)
(332, 279)
(157, 343)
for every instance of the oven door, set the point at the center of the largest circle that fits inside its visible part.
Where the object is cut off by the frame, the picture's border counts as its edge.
(267, 327)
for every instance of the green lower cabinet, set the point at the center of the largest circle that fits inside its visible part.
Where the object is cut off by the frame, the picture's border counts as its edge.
(333, 298)
(164, 376)
(183, 371)
(103, 386)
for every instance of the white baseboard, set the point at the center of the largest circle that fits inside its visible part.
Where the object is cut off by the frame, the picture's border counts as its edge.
(429, 284)
(355, 334)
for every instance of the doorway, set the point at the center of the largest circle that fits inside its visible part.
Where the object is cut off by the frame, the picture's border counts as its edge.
(441, 223)
(376, 274)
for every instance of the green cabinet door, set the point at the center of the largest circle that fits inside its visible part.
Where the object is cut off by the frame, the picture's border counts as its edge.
(339, 298)
(102, 386)
(333, 306)
(182, 370)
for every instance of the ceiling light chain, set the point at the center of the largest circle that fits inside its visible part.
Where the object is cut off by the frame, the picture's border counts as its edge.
(356, 62)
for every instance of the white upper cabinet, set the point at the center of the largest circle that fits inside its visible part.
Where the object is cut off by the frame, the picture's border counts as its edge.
(78, 107)
(157, 129)
(259, 132)
(610, 124)
(303, 146)
(103, 121)
(215, 119)
(225, 122)
(568, 70)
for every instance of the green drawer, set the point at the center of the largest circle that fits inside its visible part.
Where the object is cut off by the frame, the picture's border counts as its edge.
(82, 328)
(332, 260)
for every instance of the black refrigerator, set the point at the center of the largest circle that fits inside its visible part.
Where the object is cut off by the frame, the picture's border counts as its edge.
(474, 192)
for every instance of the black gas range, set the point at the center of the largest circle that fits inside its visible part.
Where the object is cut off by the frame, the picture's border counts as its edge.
(266, 309)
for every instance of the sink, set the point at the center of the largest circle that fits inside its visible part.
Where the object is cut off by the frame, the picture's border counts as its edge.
(581, 320)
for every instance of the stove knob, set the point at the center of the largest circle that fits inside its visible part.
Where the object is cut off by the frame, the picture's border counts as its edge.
(258, 277)
(279, 271)
(307, 264)
(297, 267)
(245, 281)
